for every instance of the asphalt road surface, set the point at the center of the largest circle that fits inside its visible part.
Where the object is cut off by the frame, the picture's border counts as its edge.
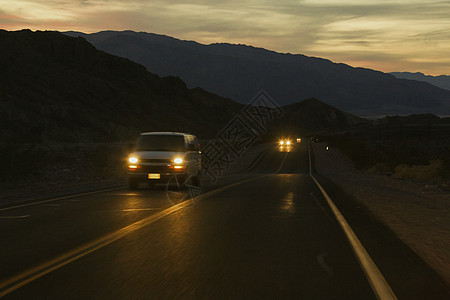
(264, 232)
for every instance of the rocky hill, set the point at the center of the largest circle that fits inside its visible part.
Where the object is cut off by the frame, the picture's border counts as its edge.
(58, 88)
(312, 116)
(240, 72)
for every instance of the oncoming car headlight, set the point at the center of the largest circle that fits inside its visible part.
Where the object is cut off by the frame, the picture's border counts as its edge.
(133, 160)
(283, 142)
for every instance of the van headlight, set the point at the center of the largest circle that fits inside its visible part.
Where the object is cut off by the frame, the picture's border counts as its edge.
(178, 160)
(133, 160)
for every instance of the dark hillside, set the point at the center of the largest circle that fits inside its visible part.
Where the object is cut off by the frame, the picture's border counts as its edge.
(58, 88)
(312, 116)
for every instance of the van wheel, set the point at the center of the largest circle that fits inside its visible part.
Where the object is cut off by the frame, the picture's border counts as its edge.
(133, 184)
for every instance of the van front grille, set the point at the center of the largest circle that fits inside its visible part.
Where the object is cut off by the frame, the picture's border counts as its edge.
(156, 160)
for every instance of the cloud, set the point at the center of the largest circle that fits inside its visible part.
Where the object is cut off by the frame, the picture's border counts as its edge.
(407, 34)
(10, 19)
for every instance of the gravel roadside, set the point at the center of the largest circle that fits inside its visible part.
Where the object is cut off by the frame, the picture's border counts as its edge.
(418, 213)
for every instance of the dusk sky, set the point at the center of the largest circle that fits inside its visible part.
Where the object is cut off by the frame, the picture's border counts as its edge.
(386, 35)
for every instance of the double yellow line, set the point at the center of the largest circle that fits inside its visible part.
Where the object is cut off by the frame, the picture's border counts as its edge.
(32, 274)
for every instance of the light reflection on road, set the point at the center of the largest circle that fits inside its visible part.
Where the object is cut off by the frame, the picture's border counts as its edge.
(287, 203)
(285, 148)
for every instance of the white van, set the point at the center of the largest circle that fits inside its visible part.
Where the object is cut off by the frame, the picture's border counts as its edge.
(159, 156)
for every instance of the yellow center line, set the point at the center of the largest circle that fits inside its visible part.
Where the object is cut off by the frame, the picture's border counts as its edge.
(139, 209)
(32, 274)
(62, 260)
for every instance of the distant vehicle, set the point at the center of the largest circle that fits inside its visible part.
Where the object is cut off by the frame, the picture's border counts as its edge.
(285, 142)
(158, 156)
(285, 145)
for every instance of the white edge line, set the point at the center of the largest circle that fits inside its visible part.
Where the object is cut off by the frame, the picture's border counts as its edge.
(59, 198)
(376, 279)
(14, 217)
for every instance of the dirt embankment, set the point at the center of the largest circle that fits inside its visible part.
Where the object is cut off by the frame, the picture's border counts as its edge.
(36, 173)
(418, 213)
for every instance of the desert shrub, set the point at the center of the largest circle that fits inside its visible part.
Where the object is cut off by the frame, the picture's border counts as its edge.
(434, 169)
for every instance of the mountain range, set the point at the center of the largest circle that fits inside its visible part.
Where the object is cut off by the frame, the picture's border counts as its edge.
(442, 81)
(55, 88)
(239, 72)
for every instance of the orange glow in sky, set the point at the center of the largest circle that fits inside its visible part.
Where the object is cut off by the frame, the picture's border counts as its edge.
(394, 35)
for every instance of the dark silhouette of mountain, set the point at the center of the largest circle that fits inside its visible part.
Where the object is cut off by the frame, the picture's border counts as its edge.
(313, 116)
(58, 88)
(442, 81)
(239, 72)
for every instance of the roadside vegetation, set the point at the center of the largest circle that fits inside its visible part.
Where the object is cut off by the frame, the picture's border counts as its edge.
(400, 148)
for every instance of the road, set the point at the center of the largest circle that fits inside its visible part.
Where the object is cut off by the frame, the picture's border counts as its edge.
(267, 232)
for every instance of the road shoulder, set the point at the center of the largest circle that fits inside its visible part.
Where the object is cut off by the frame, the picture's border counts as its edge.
(416, 213)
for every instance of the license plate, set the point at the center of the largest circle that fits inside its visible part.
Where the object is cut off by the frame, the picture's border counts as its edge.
(154, 176)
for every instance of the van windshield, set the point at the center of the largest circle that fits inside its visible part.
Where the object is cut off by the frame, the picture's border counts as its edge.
(174, 143)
